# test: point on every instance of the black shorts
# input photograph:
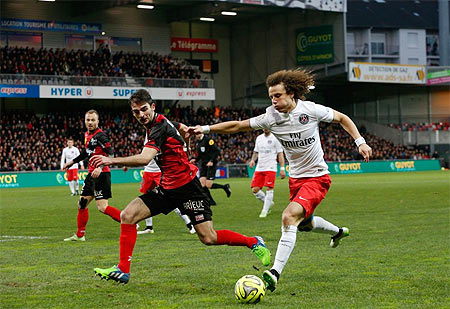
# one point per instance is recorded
(208, 171)
(99, 187)
(190, 199)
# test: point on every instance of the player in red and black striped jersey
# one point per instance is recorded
(180, 188)
(98, 181)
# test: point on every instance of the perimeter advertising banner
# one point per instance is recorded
(194, 45)
(386, 73)
(87, 92)
(49, 25)
(438, 77)
(19, 91)
(314, 45)
(374, 167)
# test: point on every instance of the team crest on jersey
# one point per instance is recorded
(304, 119)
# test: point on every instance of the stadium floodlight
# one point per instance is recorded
(46, 0)
(144, 6)
(228, 13)
(207, 19)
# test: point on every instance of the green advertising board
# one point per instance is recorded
(374, 167)
(314, 45)
(54, 178)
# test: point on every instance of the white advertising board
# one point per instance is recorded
(386, 73)
(121, 93)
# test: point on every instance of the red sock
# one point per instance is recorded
(82, 220)
(113, 213)
(128, 234)
(230, 238)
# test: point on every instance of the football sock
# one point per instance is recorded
(71, 187)
(231, 238)
(113, 213)
(128, 236)
(285, 247)
(268, 200)
(77, 186)
(149, 222)
(217, 186)
(321, 225)
(183, 217)
(82, 219)
(260, 195)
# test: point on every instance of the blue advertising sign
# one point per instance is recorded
(47, 25)
(19, 91)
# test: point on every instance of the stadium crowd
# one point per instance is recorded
(99, 63)
(34, 142)
(422, 126)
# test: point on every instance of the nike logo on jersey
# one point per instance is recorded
(302, 198)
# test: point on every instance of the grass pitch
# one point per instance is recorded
(397, 255)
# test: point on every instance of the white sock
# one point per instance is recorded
(149, 222)
(285, 247)
(71, 186)
(77, 186)
(268, 200)
(260, 195)
(320, 225)
(184, 217)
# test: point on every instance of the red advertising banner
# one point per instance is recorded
(194, 45)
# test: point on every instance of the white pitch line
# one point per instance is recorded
(12, 238)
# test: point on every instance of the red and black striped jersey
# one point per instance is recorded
(95, 143)
(163, 136)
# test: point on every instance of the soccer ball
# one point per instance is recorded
(249, 289)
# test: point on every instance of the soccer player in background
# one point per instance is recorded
(179, 188)
(295, 123)
(69, 153)
(98, 181)
(267, 150)
(208, 154)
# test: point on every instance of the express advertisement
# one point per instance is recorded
(87, 92)
(386, 73)
(19, 91)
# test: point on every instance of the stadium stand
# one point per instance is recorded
(34, 142)
(434, 126)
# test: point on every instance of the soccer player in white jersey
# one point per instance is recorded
(267, 150)
(295, 123)
(68, 154)
(150, 180)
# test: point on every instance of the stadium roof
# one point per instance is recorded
(409, 14)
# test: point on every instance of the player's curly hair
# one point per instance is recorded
(295, 81)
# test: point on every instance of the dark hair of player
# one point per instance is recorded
(141, 96)
(93, 111)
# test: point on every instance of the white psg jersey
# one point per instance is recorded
(151, 167)
(267, 148)
(298, 133)
(69, 154)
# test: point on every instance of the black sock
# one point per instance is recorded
(217, 186)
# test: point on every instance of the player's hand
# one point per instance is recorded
(67, 165)
(210, 163)
(98, 160)
(251, 164)
(192, 161)
(95, 173)
(282, 174)
(365, 151)
(197, 130)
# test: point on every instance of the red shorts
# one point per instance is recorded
(264, 179)
(309, 192)
(150, 181)
(72, 174)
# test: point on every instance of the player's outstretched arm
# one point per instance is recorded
(141, 159)
(351, 128)
(228, 127)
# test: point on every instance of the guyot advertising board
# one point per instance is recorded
(314, 45)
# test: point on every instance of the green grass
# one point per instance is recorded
(397, 255)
